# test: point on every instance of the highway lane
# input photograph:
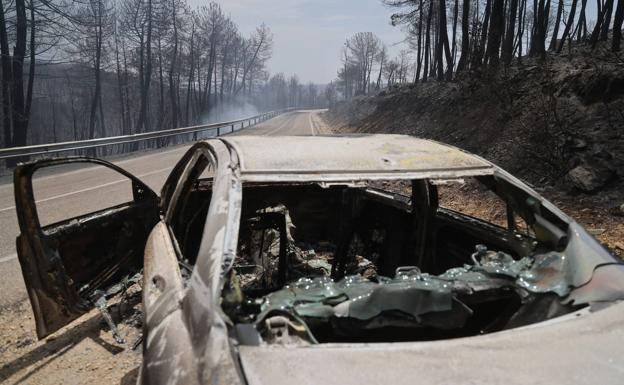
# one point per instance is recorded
(295, 123)
(70, 191)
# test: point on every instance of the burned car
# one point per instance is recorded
(330, 259)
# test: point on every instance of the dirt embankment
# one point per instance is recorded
(556, 123)
(83, 352)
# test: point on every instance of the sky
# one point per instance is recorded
(309, 34)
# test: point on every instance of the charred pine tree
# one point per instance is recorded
(540, 29)
(382, 62)
(604, 31)
(581, 26)
(31, 64)
(464, 59)
(419, 58)
(15, 117)
(433, 60)
(94, 22)
(521, 28)
(120, 86)
(7, 79)
(497, 25)
(20, 119)
(191, 76)
(568, 25)
(553, 41)
(427, 41)
(173, 66)
(602, 24)
(617, 26)
(454, 44)
(145, 70)
(508, 43)
(443, 44)
(480, 52)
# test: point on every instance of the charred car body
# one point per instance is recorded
(286, 259)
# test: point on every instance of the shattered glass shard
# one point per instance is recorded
(549, 273)
(354, 296)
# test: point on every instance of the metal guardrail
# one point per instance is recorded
(39, 149)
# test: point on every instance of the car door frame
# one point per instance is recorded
(181, 321)
(46, 278)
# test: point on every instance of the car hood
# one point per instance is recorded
(579, 348)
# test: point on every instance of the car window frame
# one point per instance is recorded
(27, 204)
(180, 180)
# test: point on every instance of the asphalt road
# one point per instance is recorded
(70, 191)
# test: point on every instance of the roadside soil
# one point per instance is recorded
(605, 224)
(85, 352)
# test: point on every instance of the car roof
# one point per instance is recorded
(340, 157)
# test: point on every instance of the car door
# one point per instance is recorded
(70, 263)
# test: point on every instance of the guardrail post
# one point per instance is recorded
(218, 131)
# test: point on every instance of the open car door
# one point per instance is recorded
(67, 264)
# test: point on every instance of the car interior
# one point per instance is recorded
(376, 230)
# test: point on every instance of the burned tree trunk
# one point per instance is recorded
(122, 108)
(190, 76)
(497, 24)
(553, 41)
(508, 44)
(607, 20)
(454, 44)
(602, 23)
(18, 112)
(97, 94)
(7, 78)
(145, 73)
(538, 41)
(480, 55)
(443, 44)
(568, 25)
(581, 27)
(419, 44)
(617, 26)
(464, 59)
(427, 41)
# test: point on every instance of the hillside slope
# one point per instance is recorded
(538, 120)
(558, 124)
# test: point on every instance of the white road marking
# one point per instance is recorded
(311, 125)
(91, 188)
(8, 258)
(124, 161)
